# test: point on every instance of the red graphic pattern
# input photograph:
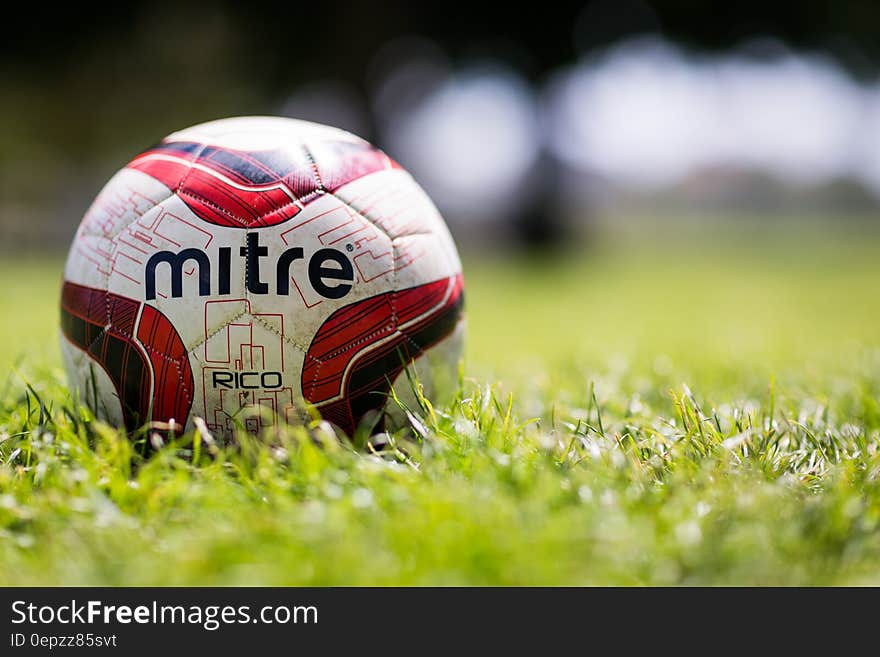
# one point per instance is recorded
(363, 347)
(104, 325)
(340, 162)
(172, 376)
(252, 342)
(242, 189)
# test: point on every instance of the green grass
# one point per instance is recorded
(655, 409)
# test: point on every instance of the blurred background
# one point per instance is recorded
(683, 189)
(529, 125)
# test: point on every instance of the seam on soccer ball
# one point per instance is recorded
(226, 323)
(395, 274)
(314, 382)
(176, 362)
(219, 208)
(125, 225)
(313, 164)
(189, 170)
(373, 220)
(383, 332)
(272, 329)
(172, 192)
(280, 208)
(361, 214)
(311, 196)
(113, 249)
(419, 349)
(107, 293)
(88, 349)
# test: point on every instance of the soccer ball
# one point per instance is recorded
(248, 269)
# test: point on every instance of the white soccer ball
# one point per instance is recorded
(244, 269)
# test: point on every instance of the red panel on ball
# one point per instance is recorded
(173, 385)
(363, 347)
(253, 189)
(102, 324)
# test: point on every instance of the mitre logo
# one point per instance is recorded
(331, 273)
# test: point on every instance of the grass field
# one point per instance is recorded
(654, 409)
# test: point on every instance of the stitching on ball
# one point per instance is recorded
(127, 224)
(366, 338)
(395, 274)
(204, 340)
(177, 366)
(269, 327)
(192, 162)
(314, 378)
(219, 208)
(314, 165)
